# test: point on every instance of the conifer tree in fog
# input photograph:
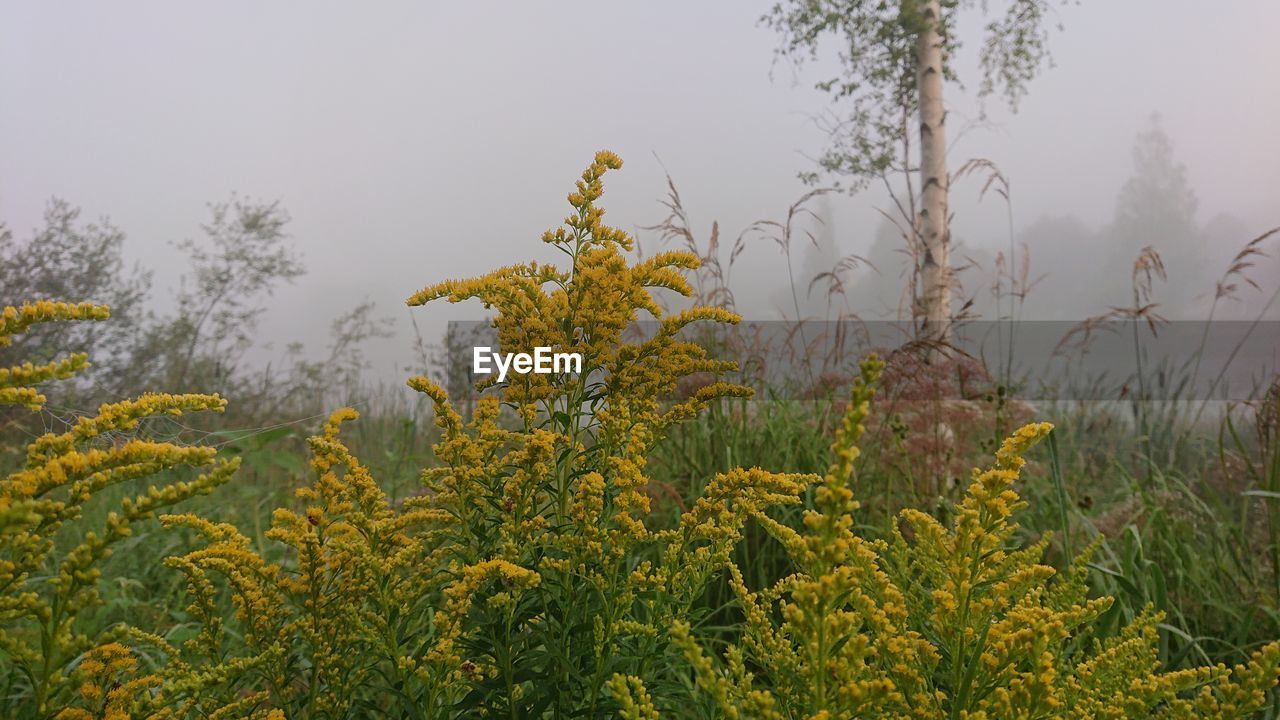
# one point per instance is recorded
(1156, 207)
(895, 56)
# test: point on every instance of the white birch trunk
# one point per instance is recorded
(935, 266)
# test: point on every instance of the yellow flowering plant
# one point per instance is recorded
(51, 665)
(570, 584)
(525, 577)
(342, 631)
(941, 622)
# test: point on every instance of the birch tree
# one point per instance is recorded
(895, 58)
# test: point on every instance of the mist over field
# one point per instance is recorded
(655, 360)
(410, 142)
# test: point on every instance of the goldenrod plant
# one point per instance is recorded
(526, 576)
(343, 631)
(559, 581)
(950, 621)
(49, 559)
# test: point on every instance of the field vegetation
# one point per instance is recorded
(658, 536)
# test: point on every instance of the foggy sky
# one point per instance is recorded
(413, 141)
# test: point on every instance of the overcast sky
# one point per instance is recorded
(412, 141)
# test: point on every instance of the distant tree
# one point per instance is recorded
(1062, 253)
(822, 291)
(1156, 207)
(244, 255)
(70, 260)
(198, 338)
(881, 290)
(333, 379)
(895, 55)
(975, 271)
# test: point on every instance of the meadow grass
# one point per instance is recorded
(618, 544)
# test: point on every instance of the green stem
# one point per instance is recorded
(1055, 466)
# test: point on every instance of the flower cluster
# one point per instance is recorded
(945, 621)
(527, 576)
(45, 584)
(108, 682)
(544, 486)
(345, 627)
